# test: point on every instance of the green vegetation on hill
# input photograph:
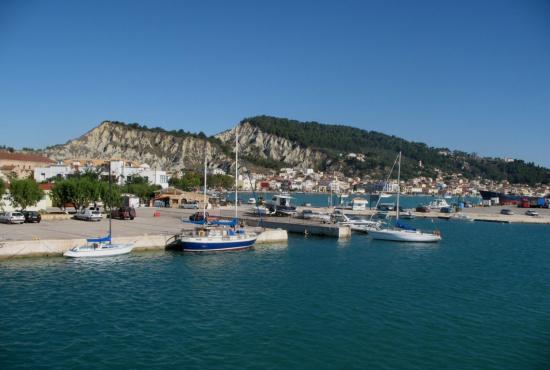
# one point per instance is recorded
(336, 141)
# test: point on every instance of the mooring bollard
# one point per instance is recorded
(156, 214)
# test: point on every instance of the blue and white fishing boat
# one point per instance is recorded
(218, 236)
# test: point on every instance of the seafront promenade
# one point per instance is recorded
(152, 229)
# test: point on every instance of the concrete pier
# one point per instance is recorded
(299, 226)
(55, 248)
(52, 237)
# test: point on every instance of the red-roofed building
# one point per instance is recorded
(21, 165)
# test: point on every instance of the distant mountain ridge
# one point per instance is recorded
(268, 143)
(331, 144)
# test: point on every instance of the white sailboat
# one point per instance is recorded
(401, 232)
(100, 247)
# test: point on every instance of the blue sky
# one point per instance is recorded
(470, 75)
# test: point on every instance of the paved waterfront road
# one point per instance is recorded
(169, 222)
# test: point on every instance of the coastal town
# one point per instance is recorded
(274, 185)
(46, 171)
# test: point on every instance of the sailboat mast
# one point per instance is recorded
(398, 187)
(204, 193)
(236, 169)
(110, 205)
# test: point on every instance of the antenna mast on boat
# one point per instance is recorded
(204, 193)
(398, 187)
(236, 169)
(110, 205)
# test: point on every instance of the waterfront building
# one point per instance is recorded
(21, 165)
(121, 169)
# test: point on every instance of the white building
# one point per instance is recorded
(119, 168)
(57, 170)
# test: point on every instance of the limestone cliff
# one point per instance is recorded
(159, 149)
(256, 144)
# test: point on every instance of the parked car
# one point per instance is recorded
(190, 205)
(423, 209)
(12, 217)
(386, 207)
(198, 216)
(506, 211)
(530, 212)
(32, 216)
(446, 210)
(88, 214)
(124, 213)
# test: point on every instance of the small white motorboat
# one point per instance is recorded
(251, 201)
(461, 217)
(438, 204)
(355, 223)
(407, 215)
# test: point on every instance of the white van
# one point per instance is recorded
(91, 214)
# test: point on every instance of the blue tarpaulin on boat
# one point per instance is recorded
(403, 226)
(99, 240)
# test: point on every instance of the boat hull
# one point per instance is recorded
(205, 244)
(404, 236)
(104, 251)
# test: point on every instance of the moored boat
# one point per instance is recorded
(400, 232)
(218, 235)
(438, 204)
(100, 247)
(214, 239)
(402, 235)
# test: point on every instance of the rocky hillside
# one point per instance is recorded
(273, 141)
(268, 143)
(156, 147)
(261, 148)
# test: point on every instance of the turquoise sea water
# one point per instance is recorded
(480, 299)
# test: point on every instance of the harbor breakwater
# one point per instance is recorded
(145, 242)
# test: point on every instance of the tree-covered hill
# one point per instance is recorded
(336, 141)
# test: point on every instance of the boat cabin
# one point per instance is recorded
(281, 200)
(359, 204)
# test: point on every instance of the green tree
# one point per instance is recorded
(221, 181)
(80, 191)
(111, 198)
(188, 182)
(2, 187)
(25, 193)
(140, 187)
